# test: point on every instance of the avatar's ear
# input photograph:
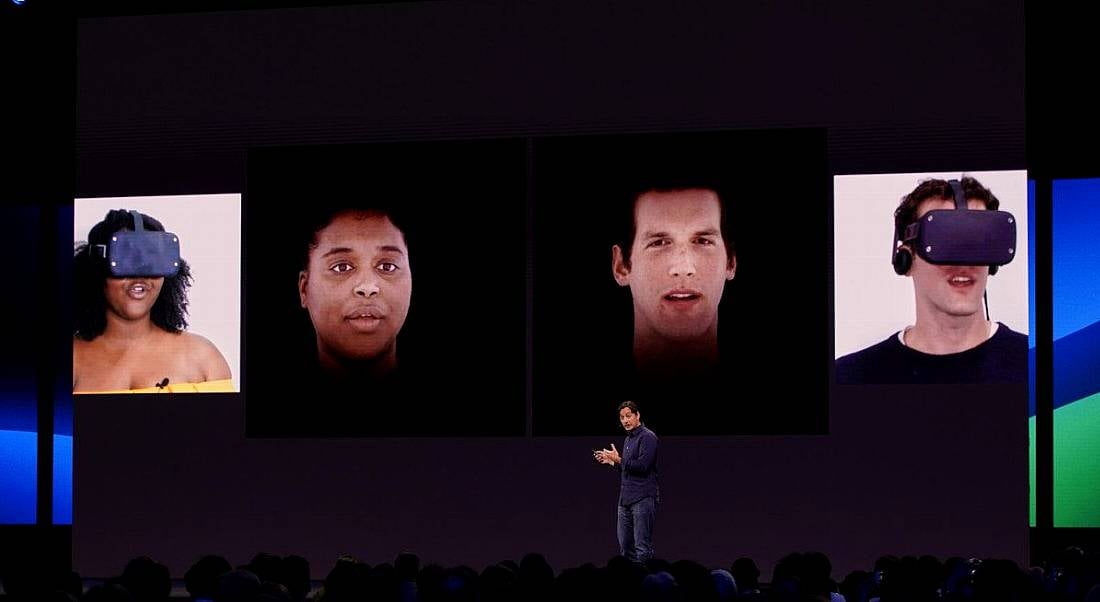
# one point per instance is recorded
(731, 268)
(620, 268)
(303, 283)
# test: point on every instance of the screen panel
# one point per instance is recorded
(666, 269)
(1076, 454)
(386, 289)
(202, 303)
(873, 302)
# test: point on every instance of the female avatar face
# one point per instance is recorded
(357, 287)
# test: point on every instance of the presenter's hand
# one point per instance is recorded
(607, 456)
(601, 456)
(613, 455)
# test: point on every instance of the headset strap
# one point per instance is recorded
(139, 224)
(960, 196)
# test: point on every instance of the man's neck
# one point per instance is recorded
(662, 356)
(942, 335)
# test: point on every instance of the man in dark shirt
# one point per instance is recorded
(1002, 358)
(639, 493)
(951, 342)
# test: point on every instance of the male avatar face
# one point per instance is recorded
(948, 290)
(678, 265)
(629, 419)
(357, 287)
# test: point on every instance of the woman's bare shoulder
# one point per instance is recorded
(206, 354)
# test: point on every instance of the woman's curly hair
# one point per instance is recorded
(90, 274)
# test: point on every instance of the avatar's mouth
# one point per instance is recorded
(365, 312)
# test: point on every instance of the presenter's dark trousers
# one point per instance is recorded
(635, 528)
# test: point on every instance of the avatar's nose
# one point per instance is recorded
(368, 287)
(683, 264)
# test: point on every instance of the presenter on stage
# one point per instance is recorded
(639, 493)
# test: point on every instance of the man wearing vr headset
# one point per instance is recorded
(131, 306)
(949, 238)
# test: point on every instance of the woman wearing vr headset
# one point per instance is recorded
(130, 318)
(949, 237)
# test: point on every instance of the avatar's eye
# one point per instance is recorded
(341, 267)
(387, 267)
(658, 242)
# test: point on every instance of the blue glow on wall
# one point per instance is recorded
(62, 480)
(19, 459)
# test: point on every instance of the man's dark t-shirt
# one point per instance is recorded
(1000, 359)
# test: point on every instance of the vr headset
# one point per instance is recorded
(140, 252)
(958, 236)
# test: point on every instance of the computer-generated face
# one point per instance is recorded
(678, 265)
(357, 287)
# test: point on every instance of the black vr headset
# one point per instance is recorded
(958, 236)
(140, 252)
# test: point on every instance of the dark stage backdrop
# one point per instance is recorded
(939, 470)
(172, 104)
